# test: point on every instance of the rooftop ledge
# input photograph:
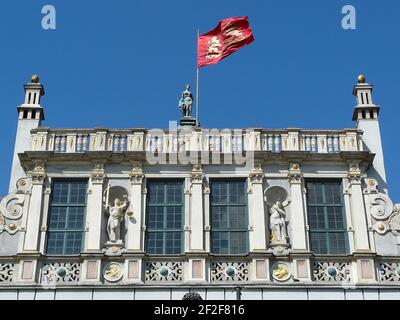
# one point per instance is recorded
(28, 158)
(195, 129)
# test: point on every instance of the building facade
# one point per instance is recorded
(154, 214)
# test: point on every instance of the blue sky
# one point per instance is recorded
(125, 63)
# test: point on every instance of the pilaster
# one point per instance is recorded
(196, 210)
(297, 212)
(357, 208)
(32, 232)
(134, 223)
(95, 212)
(258, 225)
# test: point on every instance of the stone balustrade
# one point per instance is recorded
(217, 141)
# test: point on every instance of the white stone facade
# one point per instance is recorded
(269, 161)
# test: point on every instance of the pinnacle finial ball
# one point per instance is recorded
(361, 78)
(35, 78)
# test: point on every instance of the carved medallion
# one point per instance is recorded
(113, 272)
(281, 271)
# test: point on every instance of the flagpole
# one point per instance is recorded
(197, 83)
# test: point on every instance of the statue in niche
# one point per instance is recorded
(278, 223)
(185, 103)
(116, 214)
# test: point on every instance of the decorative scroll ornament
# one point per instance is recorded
(113, 272)
(11, 208)
(381, 206)
(386, 216)
(281, 271)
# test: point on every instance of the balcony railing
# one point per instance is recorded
(224, 141)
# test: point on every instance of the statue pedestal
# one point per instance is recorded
(187, 122)
(114, 248)
(279, 248)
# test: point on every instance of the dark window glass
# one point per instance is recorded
(229, 217)
(165, 217)
(67, 217)
(326, 217)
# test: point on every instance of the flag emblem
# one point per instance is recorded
(229, 36)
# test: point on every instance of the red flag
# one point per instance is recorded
(229, 36)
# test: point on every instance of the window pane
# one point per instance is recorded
(77, 194)
(238, 243)
(337, 194)
(315, 193)
(174, 217)
(219, 217)
(316, 217)
(155, 242)
(156, 194)
(174, 193)
(236, 192)
(335, 217)
(238, 217)
(55, 243)
(328, 193)
(219, 192)
(60, 192)
(220, 242)
(155, 217)
(73, 243)
(337, 243)
(318, 243)
(58, 218)
(76, 217)
(173, 243)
